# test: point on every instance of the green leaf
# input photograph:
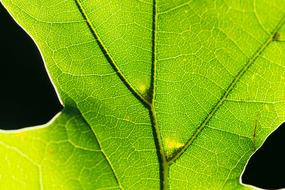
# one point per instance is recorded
(156, 94)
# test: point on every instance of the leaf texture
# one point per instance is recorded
(157, 94)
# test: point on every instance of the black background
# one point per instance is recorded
(27, 98)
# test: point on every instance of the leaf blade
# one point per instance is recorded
(208, 75)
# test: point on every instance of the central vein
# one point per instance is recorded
(163, 164)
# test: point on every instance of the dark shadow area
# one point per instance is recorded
(26, 94)
(28, 98)
(266, 168)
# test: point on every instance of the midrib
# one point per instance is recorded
(165, 164)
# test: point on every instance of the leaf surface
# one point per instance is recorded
(156, 94)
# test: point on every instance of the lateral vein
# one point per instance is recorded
(109, 58)
(229, 89)
(103, 152)
(77, 110)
